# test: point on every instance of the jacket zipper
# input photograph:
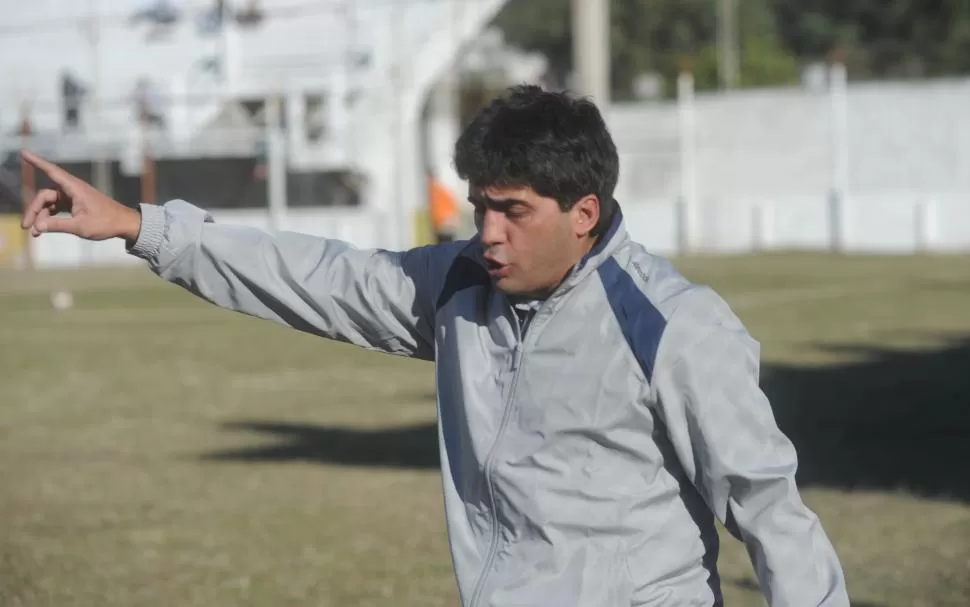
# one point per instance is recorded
(490, 462)
(517, 355)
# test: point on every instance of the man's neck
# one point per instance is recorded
(589, 244)
(585, 248)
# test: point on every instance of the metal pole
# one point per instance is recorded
(402, 221)
(591, 49)
(94, 40)
(102, 166)
(102, 169)
(727, 34)
(28, 182)
(840, 155)
(148, 179)
(276, 162)
(924, 225)
(688, 161)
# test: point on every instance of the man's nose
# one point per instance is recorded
(491, 227)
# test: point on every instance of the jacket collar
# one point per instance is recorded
(604, 248)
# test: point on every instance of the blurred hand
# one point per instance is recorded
(93, 214)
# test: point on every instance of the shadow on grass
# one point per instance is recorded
(748, 583)
(399, 447)
(895, 420)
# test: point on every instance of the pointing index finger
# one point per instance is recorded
(56, 173)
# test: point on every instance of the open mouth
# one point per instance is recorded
(496, 269)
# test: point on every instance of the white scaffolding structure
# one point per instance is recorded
(363, 69)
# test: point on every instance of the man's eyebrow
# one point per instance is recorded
(502, 203)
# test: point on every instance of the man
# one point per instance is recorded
(596, 410)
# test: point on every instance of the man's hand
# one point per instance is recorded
(93, 215)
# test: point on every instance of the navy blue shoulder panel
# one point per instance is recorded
(464, 273)
(640, 321)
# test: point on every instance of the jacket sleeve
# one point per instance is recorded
(376, 299)
(725, 435)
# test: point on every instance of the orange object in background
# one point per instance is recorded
(444, 210)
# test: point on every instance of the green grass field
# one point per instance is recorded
(157, 451)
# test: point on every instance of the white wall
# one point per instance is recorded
(907, 144)
(878, 225)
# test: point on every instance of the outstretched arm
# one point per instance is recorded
(371, 298)
(726, 438)
(375, 299)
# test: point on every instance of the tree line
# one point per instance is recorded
(877, 39)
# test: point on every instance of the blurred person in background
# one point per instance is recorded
(597, 412)
(444, 210)
(72, 97)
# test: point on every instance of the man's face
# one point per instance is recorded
(529, 243)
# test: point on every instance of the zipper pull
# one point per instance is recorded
(516, 357)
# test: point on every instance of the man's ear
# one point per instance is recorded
(585, 215)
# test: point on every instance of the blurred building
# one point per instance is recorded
(270, 112)
(327, 116)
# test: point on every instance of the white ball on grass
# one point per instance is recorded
(62, 300)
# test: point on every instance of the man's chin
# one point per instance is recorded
(504, 285)
(507, 285)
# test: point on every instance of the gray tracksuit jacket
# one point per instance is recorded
(587, 442)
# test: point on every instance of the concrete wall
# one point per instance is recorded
(768, 157)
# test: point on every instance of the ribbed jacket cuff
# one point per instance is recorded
(152, 233)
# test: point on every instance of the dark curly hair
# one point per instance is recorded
(555, 143)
